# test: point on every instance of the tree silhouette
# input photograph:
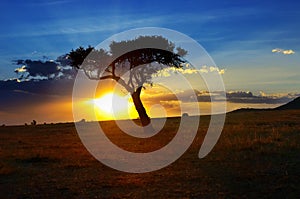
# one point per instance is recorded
(131, 63)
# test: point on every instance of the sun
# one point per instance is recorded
(105, 102)
(113, 106)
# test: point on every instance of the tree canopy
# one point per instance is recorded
(137, 56)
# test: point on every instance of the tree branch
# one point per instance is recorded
(118, 80)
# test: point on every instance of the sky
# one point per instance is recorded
(255, 42)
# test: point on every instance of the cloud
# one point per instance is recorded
(285, 52)
(171, 103)
(43, 100)
(166, 72)
(248, 97)
(241, 97)
(39, 70)
(216, 69)
(31, 98)
(53, 87)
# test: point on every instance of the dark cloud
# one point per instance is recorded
(63, 60)
(44, 87)
(239, 94)
(29, 94)
(245, 97)
(50, 69)
(38, 68)
(250, 98)
(232, 96)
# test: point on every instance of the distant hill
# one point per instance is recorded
(292, 105)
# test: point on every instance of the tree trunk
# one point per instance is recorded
(145, 120)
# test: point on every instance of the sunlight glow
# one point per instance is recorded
(113, 106)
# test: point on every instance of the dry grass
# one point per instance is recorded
(257, 155)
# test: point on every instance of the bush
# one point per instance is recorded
(33, 122)
(185, 115)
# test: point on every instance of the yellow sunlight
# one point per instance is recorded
(114, 106)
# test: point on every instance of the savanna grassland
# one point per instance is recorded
(257, 156)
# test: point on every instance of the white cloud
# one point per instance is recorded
(288, 52)
(170, 103)
(222, 71)
(285, 52)
(278, 95)
(216, 69)
(166, 72)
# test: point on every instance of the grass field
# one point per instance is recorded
(257, 156)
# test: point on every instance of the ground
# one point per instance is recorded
(257, 156)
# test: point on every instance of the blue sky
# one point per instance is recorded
(239, 35)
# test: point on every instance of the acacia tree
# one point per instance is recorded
(131, 63)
